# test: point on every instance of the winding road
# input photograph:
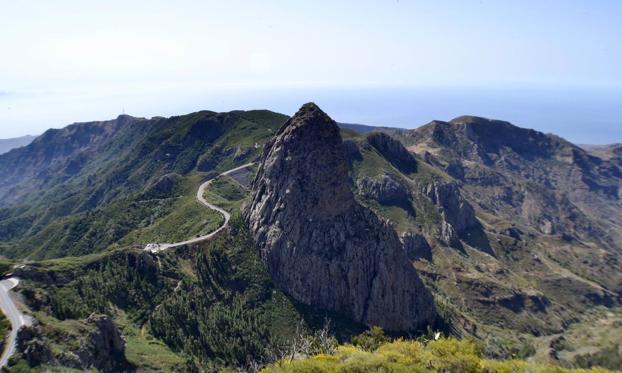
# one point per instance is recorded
(12, 313)
(18, 319)
(157, 247)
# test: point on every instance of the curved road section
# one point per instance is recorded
(16, 318)
(157, 247)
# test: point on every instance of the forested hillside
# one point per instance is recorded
(83, 188)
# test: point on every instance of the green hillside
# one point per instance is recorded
(108, 190)
(508, 299)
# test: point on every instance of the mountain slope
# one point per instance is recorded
(612, 152)
(8, 144)
(91, 182)
(511, 233)
(542, 180)
(544, 247)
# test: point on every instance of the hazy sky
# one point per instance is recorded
(66, 61)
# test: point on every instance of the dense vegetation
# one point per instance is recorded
(61, 197)
(98, 229)
(442, 355)
(214, 305)
(126, 285)
(127, 280)
(231, 314)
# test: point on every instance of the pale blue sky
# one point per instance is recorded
(65, 61)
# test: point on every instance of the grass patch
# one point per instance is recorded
(595, 340)
(189, 219)
(227, 193)
(144, 350)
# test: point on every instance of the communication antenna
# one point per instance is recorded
(123, 108)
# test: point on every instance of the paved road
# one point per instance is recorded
(16, 318)
(157, 247)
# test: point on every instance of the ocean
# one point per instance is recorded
(586, 116)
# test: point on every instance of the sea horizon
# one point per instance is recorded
(580, 115)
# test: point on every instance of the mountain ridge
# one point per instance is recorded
(7, 145)
(513, 233)
(522, 153)
(60, 179)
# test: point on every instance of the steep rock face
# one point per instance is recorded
(456, 212)
(105, 349)
(393, 150)
(320, 245)
(33, 347)
(416, 246)
(386, 189)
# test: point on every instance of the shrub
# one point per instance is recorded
(371, 339)
(443, 355)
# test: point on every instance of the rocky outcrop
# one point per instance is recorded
(393, 150)
(164, 187)
(456, 212)
(33, 347)
(416, 246)
(386, 189)
(103, 349)
(322, 247)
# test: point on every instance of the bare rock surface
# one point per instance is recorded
(416, 246)
(322, 247)
(456, 212)
(106, 347)
(103, 349)
(393, 150)
(386, 189)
